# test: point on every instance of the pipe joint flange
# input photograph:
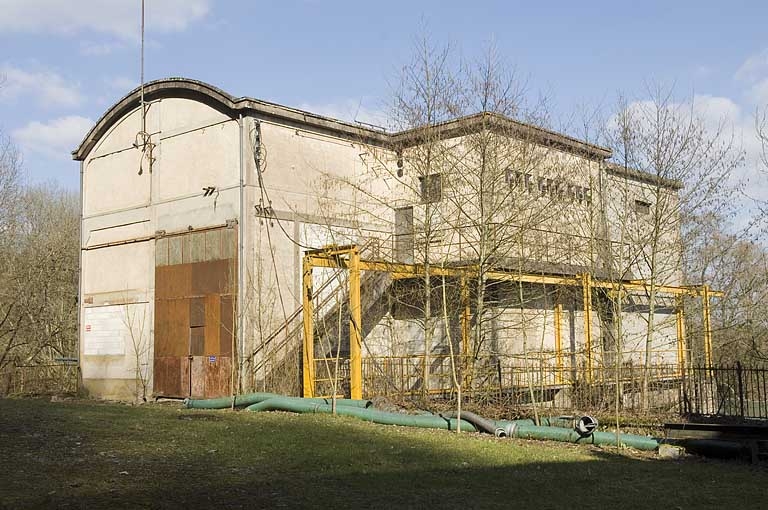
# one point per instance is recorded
(507, 430)
(586, 426)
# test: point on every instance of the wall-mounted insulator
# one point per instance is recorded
(256, 144)
(264, 211)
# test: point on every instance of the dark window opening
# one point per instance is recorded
(431, 187)
(642, 207)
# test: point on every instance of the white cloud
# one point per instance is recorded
(54, 139)
(754, 74)
(98, 49)
(122, 84)
(48, 88)
(719, 115)
(758, 92)
(754, 67)
(119, 18)
(716, 111)
(703, 71)
(349, 110)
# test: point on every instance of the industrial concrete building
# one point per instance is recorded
(203, 215)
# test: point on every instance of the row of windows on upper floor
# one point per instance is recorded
(544, 186)
(431, 189)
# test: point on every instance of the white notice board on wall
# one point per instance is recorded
(106, 329)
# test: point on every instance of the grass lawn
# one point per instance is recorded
(82, 454)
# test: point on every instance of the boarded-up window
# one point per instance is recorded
(110, 330)
(404, 235)
(431, 187)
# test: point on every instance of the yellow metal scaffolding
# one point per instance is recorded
(348, 257)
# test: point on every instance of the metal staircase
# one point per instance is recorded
(277, 360)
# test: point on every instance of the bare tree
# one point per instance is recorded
(684, 173)
(135, 323)
(38, 294)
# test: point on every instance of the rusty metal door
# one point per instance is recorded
(195, 290)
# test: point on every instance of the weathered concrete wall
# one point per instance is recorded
(194, 146)
(312, 182)
(639, 230)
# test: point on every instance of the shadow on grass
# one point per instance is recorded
(88, 455)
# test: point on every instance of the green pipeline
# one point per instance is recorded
(254, 398)
(527, 431)
(297, 405)
(566, 422)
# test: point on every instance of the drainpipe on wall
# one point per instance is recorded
(80, 285)
(241, 258)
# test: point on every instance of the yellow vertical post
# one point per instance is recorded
(586, 284)
(681, 347)
(355, 327)
(559, 341)
(465, 324)
(707, 326)
(308, 346)
(465, 317)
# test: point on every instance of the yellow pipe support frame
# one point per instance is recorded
(332, 257)
(559, 341)
(586, 286)
(707, 327)
(308, 346)
(355, 328)
(466, 317)
(680, 319)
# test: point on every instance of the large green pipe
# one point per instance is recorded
(560, 421)
(225, 402)
(372, 415)
(254, 398)
(525, 431)
(480, 423)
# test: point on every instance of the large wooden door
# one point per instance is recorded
(195, 290)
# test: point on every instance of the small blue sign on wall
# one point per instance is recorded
(211, 359)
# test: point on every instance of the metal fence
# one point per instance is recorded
(733, 391)
(518, 382)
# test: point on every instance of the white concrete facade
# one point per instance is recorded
(282, 180)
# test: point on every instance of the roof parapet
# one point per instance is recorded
(232, 106)
(645, 177)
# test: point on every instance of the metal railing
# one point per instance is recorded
(732, 391)
(276, 360)
(520, 380)
(457, 244)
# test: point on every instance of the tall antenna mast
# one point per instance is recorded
(145, 144)
(143, 105)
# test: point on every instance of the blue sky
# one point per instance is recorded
(63, 66)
